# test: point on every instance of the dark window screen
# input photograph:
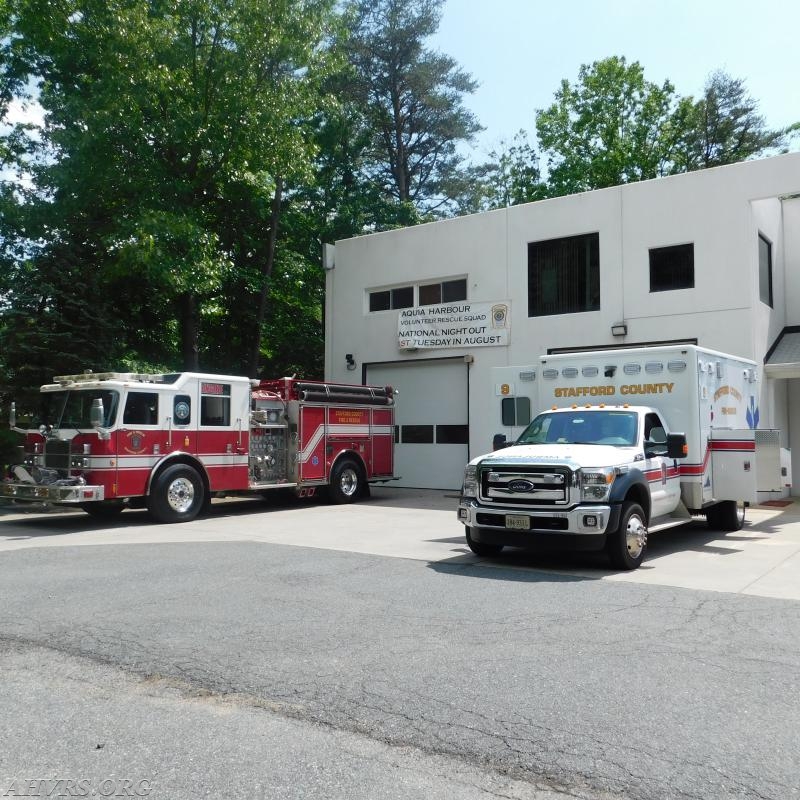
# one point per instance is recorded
(380, 301)
(564, 275)
(765, 270)
(452, 434)
(417, 434)
(672, 268)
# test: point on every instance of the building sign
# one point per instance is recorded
(459, 324)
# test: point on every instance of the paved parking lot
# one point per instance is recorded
(763, 559)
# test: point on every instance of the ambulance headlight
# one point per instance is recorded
(596, 483)
(470, 486)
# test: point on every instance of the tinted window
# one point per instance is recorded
(452, 434)
(765, 270)
(417, 434)
(672, 268)
(215, 404)
(141, 408)
(564, 275)
(380, 301)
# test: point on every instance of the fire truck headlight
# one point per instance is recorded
(470, 486)
(596, 483)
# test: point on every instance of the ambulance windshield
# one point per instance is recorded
(582, 426)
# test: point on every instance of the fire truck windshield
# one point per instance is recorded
(71, 409)
(582, 427)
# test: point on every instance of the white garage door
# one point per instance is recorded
(432, 434)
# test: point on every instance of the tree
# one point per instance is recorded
(723, 127)
(511, 176)
(411, 97)
(165, 122)
(606, 129)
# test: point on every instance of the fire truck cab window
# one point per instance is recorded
(215, 404)
(141, 408)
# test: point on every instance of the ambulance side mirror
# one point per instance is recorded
(676, 445)
(499, 442)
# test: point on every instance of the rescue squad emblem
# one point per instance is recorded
(135, 444)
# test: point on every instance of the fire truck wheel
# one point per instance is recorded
(626, 546)
(347, 482)
(481, 548)
(177, 494)
(726, 516)
(105, 509)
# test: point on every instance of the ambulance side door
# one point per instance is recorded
(663, 477)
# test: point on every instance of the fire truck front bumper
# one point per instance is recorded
(51, 492)
(582, 527)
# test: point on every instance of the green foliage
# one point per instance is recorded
(722, 127)
(167, 129)
(510, 177)
(606, 129)
(410, 97)
(195, 156)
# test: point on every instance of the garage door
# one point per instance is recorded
(431, 418)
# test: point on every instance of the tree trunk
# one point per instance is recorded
(190, 332)
(266, 271)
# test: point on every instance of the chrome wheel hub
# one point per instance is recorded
(180, 495)
(348, 482)
(635, 536)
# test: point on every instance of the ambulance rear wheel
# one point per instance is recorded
(177, 494)
(726, 516)
(347, 482)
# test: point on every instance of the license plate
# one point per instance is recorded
(518, 523)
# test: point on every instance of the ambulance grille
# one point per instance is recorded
(526, 486)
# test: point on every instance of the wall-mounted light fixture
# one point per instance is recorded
(619, 329)
(350, 361)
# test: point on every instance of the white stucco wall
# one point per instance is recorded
(720, 211)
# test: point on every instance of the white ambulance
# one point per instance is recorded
(632, 441)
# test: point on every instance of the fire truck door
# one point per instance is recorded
(139, 440)
(221, 443)
(311, 455)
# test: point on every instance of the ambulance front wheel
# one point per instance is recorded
(626, 546)
(347, 482)
(482, 549)
(177, 494)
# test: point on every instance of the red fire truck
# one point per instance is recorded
(171, 442)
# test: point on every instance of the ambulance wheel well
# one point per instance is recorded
(183, 458)
(640, 495)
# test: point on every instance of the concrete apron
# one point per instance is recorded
(762, 559)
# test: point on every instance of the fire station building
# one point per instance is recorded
(449, 312)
